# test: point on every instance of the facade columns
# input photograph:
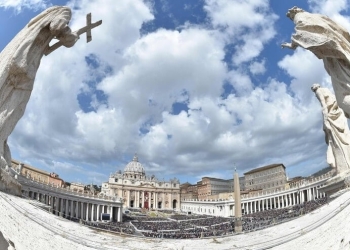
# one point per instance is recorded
(128, 198)
(111, 212)
(119, 214)
(137, 198)
(155, 200)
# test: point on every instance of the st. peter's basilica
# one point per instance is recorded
(141, 191)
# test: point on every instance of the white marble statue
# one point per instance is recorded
(328, 41)
(336, 130)
(20, 60)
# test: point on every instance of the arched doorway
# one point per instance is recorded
(159, 205)
(174, 204)
(132, 203)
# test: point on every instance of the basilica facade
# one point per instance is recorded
(137, 190)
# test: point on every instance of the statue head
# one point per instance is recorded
(293, 11)
(315, 86)
(50, 13)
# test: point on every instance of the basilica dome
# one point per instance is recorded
(134, 167)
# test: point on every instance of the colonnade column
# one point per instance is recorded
(52, 204)
(81, 210)
(263, 204)
(72, 209)
(66, 209)
(75, 207)
(61, 206)
(87, 212)
(57, 203)
(92, 212)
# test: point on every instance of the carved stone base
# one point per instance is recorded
(336, 183)
(238, 225)
(9, 184)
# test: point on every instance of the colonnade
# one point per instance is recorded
(68, 207)
(71, 205)
(256, 203)
(281, 200)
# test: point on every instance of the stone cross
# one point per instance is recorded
(87, 29)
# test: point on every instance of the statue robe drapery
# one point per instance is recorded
(331, 43)
(336, 130)
(19, 62)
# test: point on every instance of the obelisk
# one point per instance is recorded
(238, 205)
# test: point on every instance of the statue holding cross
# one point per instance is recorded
(87, 29)
(20, 60)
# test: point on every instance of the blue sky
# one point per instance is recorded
(195, 88)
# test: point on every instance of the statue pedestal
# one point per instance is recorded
(336, 183)
(9, 184)
(238, 225)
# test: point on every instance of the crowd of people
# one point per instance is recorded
(263, 219)
(180, 226)
(120, 227)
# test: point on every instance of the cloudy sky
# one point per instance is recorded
(194, 87)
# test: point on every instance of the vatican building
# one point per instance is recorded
(137, 190)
